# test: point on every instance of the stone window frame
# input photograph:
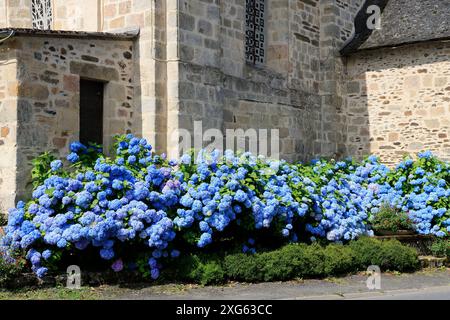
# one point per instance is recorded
(42, 16)
(251, 34)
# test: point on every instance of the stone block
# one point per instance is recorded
(33, 90)
(71, 83)
(92, 71)
(204, 27)
(4, 132)
(186, 22)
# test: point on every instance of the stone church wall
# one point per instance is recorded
(218, 87)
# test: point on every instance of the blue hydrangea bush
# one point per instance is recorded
(139, 210)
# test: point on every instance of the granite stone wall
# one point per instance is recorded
(150, 60)
(336, 26)
(398, 101)
(190, 65)
(297, 90)
(218, 87)
(41, 82)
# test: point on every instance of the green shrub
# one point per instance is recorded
(201, 268)
(295, 261)
(276, 266)
(391, 219)
(441, 248)
(396, 257)
(388, 255)
(338, 259)
(366, 251)
(213, 273)
(243, 267)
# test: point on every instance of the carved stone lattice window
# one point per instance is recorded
(42, 14)
(255, 31)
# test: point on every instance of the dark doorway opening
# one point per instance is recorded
(91, 111)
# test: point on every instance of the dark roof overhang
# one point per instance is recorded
(361, 32)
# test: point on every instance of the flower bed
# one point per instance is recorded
(139, 210)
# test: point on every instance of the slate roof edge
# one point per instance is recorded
(361, 32)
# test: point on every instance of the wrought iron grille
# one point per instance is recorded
(42, 14)
(255, 31)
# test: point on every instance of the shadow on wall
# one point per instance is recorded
(398, 101)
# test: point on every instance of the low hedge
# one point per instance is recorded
(294, 261)
(290, 262)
